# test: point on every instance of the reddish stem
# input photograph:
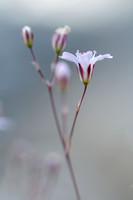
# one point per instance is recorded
(37, 66)
(74, 121)
(53, 70)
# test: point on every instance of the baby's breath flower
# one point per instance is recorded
(85, 63)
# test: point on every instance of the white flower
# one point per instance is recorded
(85, 63)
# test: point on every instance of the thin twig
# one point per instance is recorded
(72, 176)
(38, 69)
(64, 113)
(74, 121)
(52, 78)
(56, 117)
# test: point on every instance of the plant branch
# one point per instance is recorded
(68, 160)
(64, 113)
(74, 121)
(38, 69)
(53, 69)
(72, 176)
(56, 117)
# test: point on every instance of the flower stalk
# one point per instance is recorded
(38, 69)
(68, 146)
(64, 113)
(52, 78)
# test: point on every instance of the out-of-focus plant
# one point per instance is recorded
(85, 63)
(29, 176)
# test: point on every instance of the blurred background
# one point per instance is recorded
(102, 148)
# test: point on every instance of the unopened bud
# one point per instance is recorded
(63, 75)
(27, 36)
(59, 39)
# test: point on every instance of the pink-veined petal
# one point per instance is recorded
(70, 57)
(84, 58)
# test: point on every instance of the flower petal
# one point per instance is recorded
(70, 57)
(100, 57)
(84, 58)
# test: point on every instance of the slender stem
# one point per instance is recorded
(72, 176)
(68, 160)
(53, 69)
(74, 121)
(37, 66)
(64, 113)
(56, 117)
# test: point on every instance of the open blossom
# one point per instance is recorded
(59, 39)
(85, 63)
(27, 36)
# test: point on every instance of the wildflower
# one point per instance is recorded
(85, 63)
(27, 36)
(63, 75)
(59, 39)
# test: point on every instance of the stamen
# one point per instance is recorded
(94, 54)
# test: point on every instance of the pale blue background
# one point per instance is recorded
(102, 150)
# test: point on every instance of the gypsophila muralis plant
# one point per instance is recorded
(85, 63)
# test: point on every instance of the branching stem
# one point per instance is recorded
(67, 156)
(49, 85)
(38, 69)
